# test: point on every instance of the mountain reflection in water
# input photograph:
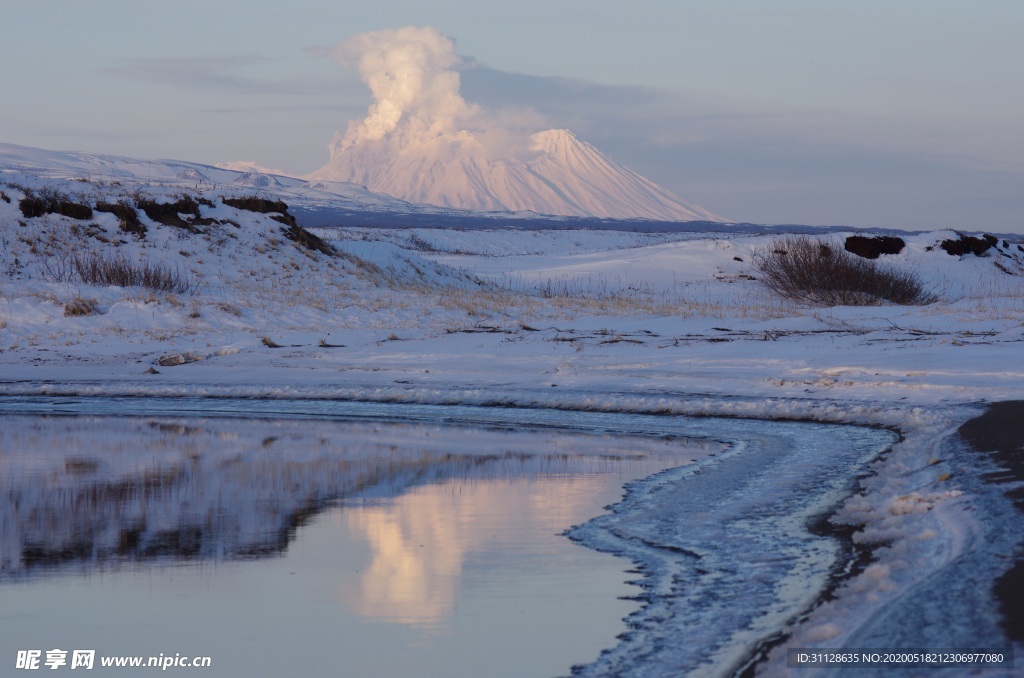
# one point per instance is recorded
(421, 540)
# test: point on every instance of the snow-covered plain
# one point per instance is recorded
(570, 320)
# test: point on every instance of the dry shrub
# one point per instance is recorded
(230, 309)
(810, 270)
(119, 270)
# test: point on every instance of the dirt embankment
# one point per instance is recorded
(1000, 434)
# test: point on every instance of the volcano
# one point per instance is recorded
(556, 173)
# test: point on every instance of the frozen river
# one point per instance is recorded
(315, 537)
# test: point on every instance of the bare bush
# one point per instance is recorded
(60, 265)
(969, 244)
(810, 270)
(118, 269)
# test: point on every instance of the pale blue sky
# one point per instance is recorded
(869, 113)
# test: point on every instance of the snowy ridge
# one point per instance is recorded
(325, 195)
(557, 174)
(87, 167)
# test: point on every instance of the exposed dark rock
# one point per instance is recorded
(53, 202)
(968, 244)
(872, 248)
(126, 213)
(306, 239)
(258, 205)
(169, 213)
(998, 433)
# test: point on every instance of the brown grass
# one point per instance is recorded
(81, 307)
(119, 270)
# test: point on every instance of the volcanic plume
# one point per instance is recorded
(422, 142)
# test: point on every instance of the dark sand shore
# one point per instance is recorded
(1000, 434)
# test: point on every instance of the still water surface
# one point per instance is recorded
(375, 542)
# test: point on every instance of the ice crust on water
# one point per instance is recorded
(725, 546)
(931, 587)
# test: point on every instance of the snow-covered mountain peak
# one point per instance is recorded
(554, 172)
(553, 140)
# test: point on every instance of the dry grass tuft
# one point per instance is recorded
(80, 306)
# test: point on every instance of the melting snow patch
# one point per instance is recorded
(915, 502)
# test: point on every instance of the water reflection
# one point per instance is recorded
(93, 493)
(418, 550)
(421, 540)
(280, 546)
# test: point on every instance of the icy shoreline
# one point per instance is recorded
(727, 550)
(922, 532)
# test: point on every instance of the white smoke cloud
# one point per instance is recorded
(411, 73)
